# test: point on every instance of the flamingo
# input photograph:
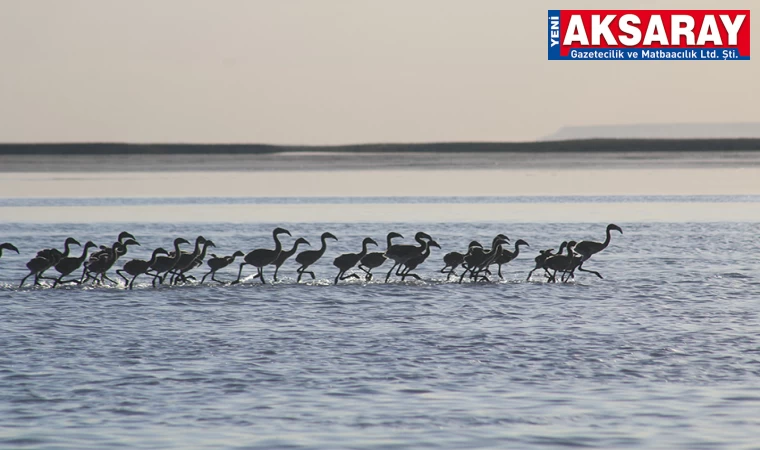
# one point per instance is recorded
(455, 259)
(506, 256)
(285, 255)
(309, 257)
(346, 261)
(263, 257)
(417, 260)
(46, 259)
(137, 267)
(377, 259)
(218, 263)
(401, 253)
(164, 264)
(71, 263)
(587, 249)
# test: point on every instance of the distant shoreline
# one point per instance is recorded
(571, 146)
(541, 155)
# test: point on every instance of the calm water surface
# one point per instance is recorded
(663, 352)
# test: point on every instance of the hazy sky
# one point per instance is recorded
(333, 71)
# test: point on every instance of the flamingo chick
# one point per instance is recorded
(507, 256)
(309, 257)
(285, 255)
(455, 259)
(218, 263)
(71, 263)
(137, 267)
(346, 261)
(376, 259)
(416, 261)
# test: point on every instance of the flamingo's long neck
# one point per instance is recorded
(121, 250)
(277, 243)
(153, 258)
(323, 248)
(65, 250)
(197, 248)
(177, 253)
(607, 240)
(426, 252)
(575, 257)
(517, 250)
(295, 247)
(388, 241)
(84, 254)
(494, 246)
(203, 250)
(364, 250)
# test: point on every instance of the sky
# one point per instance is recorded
(334, 72)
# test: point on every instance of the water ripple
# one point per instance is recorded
(663, 352)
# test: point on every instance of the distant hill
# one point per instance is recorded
(659, 131)
(572, 145)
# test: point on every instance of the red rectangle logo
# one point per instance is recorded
(645, 34)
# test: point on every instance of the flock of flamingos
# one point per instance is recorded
(475, 262)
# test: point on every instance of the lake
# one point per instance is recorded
(662, 352)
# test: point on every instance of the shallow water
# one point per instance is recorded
(663, 352)
(500, 209)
